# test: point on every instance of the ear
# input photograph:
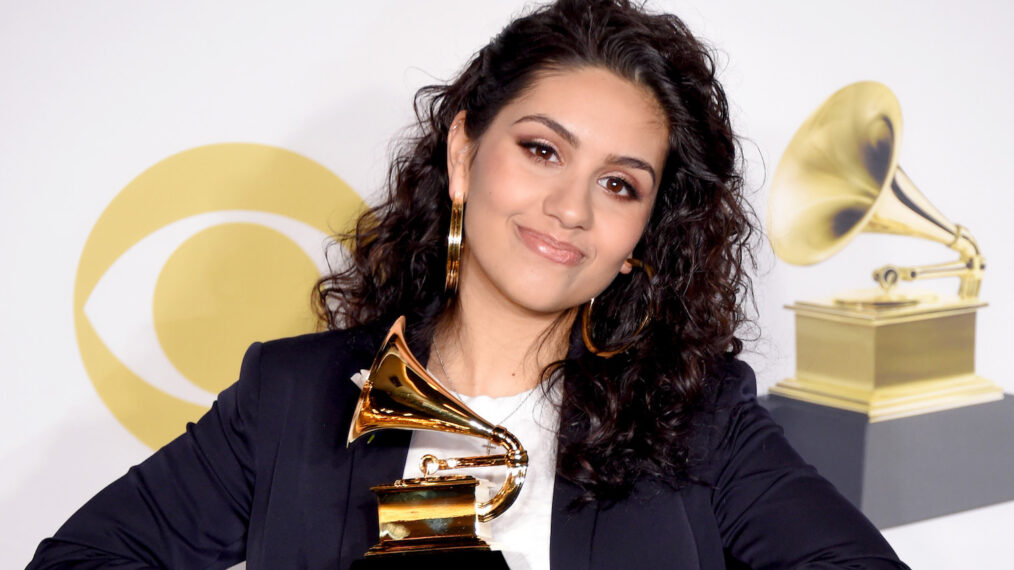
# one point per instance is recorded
(459, 148)
(626, 268)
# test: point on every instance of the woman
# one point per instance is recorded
(593, 311)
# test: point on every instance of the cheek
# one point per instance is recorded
(498, 184)
(489, 207)
(622, 236)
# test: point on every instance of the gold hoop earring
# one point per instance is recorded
(455, 237)
(586, 317)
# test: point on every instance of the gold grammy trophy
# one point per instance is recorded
(432, 514)
(888, 352)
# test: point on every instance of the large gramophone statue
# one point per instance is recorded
(887, 352)
(432, 519)
(885, 390)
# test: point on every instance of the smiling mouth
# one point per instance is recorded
(549, 247)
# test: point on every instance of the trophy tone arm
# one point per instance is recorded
(516, 461)
(969, 268)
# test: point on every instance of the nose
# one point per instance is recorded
(569, 202)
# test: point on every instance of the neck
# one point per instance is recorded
(492, 347)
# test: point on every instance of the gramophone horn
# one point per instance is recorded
(840, 176)
(401, 394)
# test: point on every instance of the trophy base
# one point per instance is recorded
(911, 468)
(887, 362)
(463, 558)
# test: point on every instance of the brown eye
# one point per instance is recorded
(541, 151)
(618, 186)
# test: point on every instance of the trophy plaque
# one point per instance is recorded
(431, 519)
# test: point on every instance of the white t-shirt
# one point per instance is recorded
(522, 532)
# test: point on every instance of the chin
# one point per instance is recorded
(542, 302)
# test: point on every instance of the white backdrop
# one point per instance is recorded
(93, 94)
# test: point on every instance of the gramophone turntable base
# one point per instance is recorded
(887, 363)
(893, 402)
(911, 468)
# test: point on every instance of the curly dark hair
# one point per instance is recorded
(628, 416)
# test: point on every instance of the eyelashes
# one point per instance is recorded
(541, 151)
(619, 187)
(545, 153)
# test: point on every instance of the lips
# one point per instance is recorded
(550, 248)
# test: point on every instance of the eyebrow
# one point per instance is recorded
(557, 127)
(571, 138)
(632, 162)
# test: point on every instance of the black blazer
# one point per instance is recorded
(265, 476)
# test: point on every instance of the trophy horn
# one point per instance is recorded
(401, 394)
(840, 176)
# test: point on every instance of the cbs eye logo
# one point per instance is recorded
(203, 253)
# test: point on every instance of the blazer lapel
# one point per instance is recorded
(377, 458)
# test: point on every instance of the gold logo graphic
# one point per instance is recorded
(203, 253)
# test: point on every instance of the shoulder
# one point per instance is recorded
(727, 411)
(302, 368)
(300, 384)
(317, 351)
(729, 386)
(738, 449)
(731, 382)
(355, 340)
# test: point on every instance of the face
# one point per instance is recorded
(558, 189)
